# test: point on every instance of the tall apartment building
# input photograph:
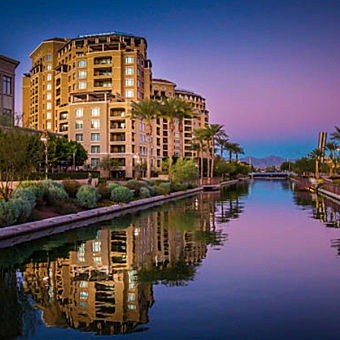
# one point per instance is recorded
(7, 89)
(162, 89)
(83, 87)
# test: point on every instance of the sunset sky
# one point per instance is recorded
(269, 70)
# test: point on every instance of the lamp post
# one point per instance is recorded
(43, 138)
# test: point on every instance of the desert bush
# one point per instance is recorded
(158, 191)
(150, 182)
(103, 191)
(87, 196)
(8, 213)
(144, 192)
(121, 195)
(112, 186)
(26, 194)
(71, 187)
(23, 208)
(136, 186)
(55, 194)
(176, 186)
(34, 187)
(165, 186)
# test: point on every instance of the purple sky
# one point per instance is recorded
(269, 70)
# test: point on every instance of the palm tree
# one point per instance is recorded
(147, 110)
(336, 135)
(231, 148)
(238, 150)
(199, 138)
(222, 142)
(316, 154)
(331, 147)
(213, 131)
(171, 109)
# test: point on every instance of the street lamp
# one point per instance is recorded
(43, 138)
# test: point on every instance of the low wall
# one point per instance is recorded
(331, 187)
(32, 230)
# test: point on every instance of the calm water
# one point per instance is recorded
(255, 261)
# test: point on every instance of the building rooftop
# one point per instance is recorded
(105, 33)
(157, 80)
(9, 60)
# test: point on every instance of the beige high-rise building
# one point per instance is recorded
(83, 87)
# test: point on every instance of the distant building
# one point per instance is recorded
(7, 87)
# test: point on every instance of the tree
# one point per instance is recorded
(213, 131)
(222, 142)
(18, 155)
(230, 147)
(146, 110)
(237, 150)
(199, 138)
(171, 109)
(184, 170)
(286, 166)
(109, 164)
(331, 147)
(336, 135)
(316, 155)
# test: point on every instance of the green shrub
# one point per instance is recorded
(9, 213)
(34, 187)
(87, 196)
(136, 186)
(103, 191)
(26, 194)
(71, 187)
(55, 194)
(112, 186)
(121, 195)
(150, 182)
(175, 186)
(152, 190)
(158, 191)
(24, 209)
(73, 175)
(144, 192)
(165, 186)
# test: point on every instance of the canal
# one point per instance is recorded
(254, 261)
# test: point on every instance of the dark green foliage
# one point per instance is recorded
(121, 195)
(73, 175)
(136, 186)
(71, 187)
(87, 196)
(158, 191)
(144, 192)
(8, 213)
(104, 191)
(26, 194)
(24, 209)
(175, 186)
(166, 187)
(150, 182)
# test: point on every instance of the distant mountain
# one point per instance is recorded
(262, 163)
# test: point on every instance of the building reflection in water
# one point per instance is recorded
(104, 284)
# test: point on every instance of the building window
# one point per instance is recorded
(129, 70)
(95, 137)
(79, 137)
(82, 63)
(48, 115)
(6, 118)
(49, 57)
(6, 85)
(129, 93)
(129, 60)
(94, 162)
(79, 112)
(48, 106)
(49, 96)
(48, 126)
(95, 124)
(96, 246)
(129, 82)
(79, 124)
(49, 87)
(95, 149)
(49, 67)
(49, 76)
(82, 74)
(95, 112)
(82, 85)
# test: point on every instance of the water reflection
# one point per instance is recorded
(100, 279)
